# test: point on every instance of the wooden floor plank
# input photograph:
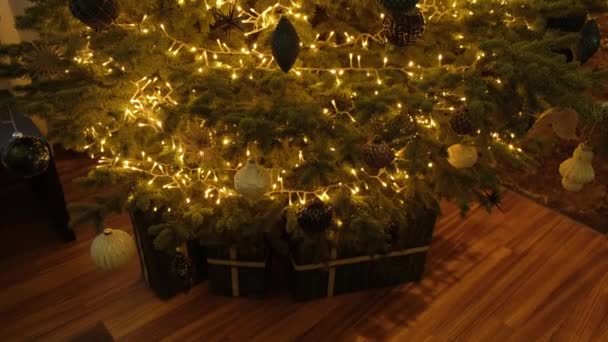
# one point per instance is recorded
(525, 274)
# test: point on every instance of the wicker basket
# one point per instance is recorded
(347, 272)
(236, 274)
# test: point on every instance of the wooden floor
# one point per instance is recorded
(528, 274)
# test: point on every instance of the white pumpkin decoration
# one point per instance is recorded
(570, 186)
(577, 171)
(461, 156)
(252, 181)
(112, 249)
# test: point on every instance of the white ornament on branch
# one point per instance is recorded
(252, 181)
(461, 156)
(578, 170)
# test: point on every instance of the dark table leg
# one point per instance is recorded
(48, 187)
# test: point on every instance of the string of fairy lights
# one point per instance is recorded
(151, 93)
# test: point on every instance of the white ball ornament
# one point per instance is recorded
(252, 181)
(461, 156)
(112, 249)
(578, 170)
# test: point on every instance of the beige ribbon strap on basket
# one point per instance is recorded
(331, 265)
(331, 280)
(234, 268)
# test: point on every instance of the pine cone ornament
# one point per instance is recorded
(403, 28)
(401, 126)
(589, 42)
(200, 144)
(181, 267)
(378, 125)
(97, 14)
(315, 216)
(377, 154)
(398, 5)
(25, 156)
(462, 123)
(392, 233)
(285, 44)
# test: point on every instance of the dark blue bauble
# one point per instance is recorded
(573, 23)
(285, 44)
(398, 5)
(97, 14)
(589, 42)
(25, 156)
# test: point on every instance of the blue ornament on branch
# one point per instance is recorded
(589, 42)
(398, 5)
(97, 14)
(285, 44)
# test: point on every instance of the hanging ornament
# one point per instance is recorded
(44, 61)
(401, 126)
(112, 249)
(573, 23)
(491, 199)
(228, 21)
(252, 181)
(377, 154)
(398, 5)
(589, 42)
(556, 121)
(461, 156)
(403, 28)
(202, 144)
(97, 14)
(404, 123)
(315, 216)
(461, 122)
(285, 44)
(577, 171)
(25, 156)
(181, 267)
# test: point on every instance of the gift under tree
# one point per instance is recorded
(330, 128)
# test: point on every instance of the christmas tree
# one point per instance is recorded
(348, 119)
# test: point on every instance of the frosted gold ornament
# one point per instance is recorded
(252, 181)
(112, 249)
(555, 121)
(461, 156)
(578, 170)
